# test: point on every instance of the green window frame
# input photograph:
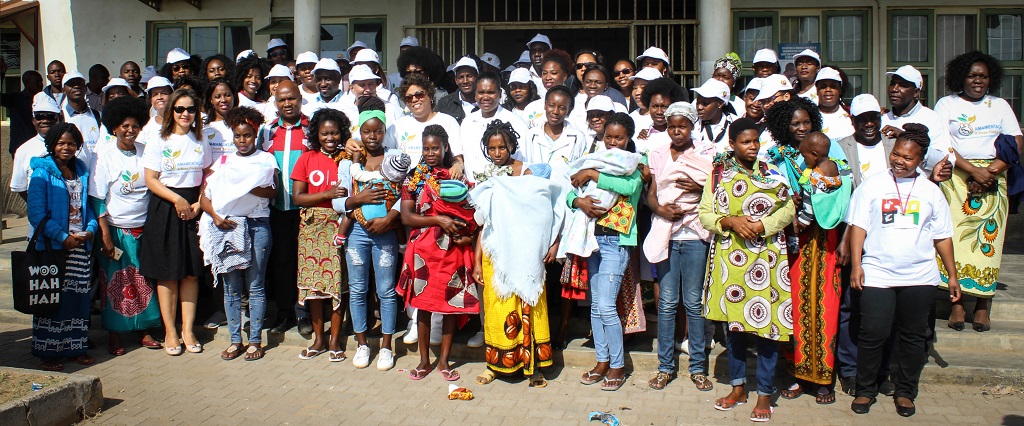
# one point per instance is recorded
(355, 23)
(773, 43)
(1013, 70)
(855, 70)
(155, 56)
(929, 36)
(225, 26)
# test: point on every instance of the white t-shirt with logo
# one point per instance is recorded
(407, 135)
(872, 160)
(248, 205)
(120, 181)
(974, 126)
(180, 159)
(878, 208)
(221, 139)
(836, 125)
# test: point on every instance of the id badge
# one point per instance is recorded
(905, 221)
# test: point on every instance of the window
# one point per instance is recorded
(1004, 35)
(335, 47)
(371, 32)
(909, 33)
(1012, 91)
(754, 33)
(799, 29)
(955, 35)
(845, 38)
(203, 38)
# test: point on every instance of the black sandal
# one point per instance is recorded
(829, 397)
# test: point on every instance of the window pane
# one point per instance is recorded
(333, 48)
(1004, 37)
(754, 34)
(167, 39)
(855, 87)
(371, 33)
(10, 49)
(845, 38)
(799, 29)
(202, 41)
(236, 39)
(955, 35)
(1011, 91)
(910, 38)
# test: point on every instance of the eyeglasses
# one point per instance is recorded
(418, 95)
(179, 67)
(42, 116)
(276, 53)
(181, 109)
(415, 71)
(623, 71)
(583, 65)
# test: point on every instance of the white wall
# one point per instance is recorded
(110, 32)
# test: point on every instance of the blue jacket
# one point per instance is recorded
(48, 196)
(1006, 150)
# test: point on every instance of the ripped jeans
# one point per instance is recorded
(382, 250)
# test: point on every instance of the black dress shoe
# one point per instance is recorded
(980, 327)
(862, 408)
(958, 326)
(904, 411)
(283, 326)
(305, 327)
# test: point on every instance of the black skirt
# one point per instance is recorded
(169, 248)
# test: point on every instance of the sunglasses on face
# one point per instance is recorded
(583, 65)
(182, 109)
(179, 67)
(418, 95)
(278, 53)
(43, 116)
(628, 71)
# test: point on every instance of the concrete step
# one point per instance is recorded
(1004, 336)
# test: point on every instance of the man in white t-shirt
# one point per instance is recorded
(904, 90)
(538, 46)
(76, 111)
(304, 64)
(328, 79)
(45, 114)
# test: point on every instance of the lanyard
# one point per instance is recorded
(903, 205)
(711, 137)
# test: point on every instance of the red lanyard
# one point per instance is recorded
(903, 205)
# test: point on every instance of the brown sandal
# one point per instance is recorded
(660, 380)
(254, 352)
(232, 352)
(702, 382)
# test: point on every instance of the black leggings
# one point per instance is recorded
(882, 309)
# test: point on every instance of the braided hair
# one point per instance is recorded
(439, 132)
(916, 133)
(371, 103)
(507, 133)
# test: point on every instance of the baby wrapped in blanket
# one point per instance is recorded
(578, 236)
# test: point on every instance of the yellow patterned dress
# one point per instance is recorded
(980, 221)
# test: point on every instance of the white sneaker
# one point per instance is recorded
(362, 358)
(385, 360)
(476, 341)
(684, 347)
(411, 334)
(435, 335)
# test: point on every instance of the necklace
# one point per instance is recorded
(337, 156)
(128, 152)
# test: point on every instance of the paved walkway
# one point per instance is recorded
(147, 386)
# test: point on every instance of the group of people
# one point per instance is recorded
(773, 212)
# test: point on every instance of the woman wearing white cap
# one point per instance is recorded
(304, 64)
(807, 63)
(752, 109)
(521, 92)
(598, 110)
(248, 79)
(277, 74)
(179, 64)
(555, 71)
(766, 63)
(655, 58)
(835, 120)
(715, 113)
(158, 90)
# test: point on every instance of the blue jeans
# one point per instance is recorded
(767, 357)
(606, 266)
(682, 274)
(238, 282)
(382, 251)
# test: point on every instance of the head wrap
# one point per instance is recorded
(371, 113)
(731, 61)
(741, 125)
(684, 109)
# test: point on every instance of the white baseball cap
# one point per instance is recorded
(44, 103)
(306, 58)
(713, 89)
(754, 84)
(326, 64)
(157, 82)
(773, 84)
(361, 72)
(524, 58)
(864, 103)
(491, 59)
(366, 55)
(148, 73)
(519, 75)
(808, 53)
(71, 75)
(909, 73)
(275, 43)
(600, 103)
(177, 55)
(828, 73)
(245, 54)
(114, 82)
(409, 41)
(653, 52)
(466, 61)
(539, 38)
(647, 74)
(766, 55)
(280, 71)
(358, 43)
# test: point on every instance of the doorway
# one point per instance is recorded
(508, 44)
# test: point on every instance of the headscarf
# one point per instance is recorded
(731, 61)
(371, 113)
(684, 109)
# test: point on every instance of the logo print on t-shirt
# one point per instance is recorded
(128, 182)
(316, 177)
(890, 207)
(169, 163)
(966, 129)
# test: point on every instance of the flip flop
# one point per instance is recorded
(450, 375)
(254, 352)
(590, 378)
(310, 353)
(720, 405)
(754, 418)
(336, 356)
(417, 374)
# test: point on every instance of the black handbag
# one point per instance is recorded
(38, 276)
